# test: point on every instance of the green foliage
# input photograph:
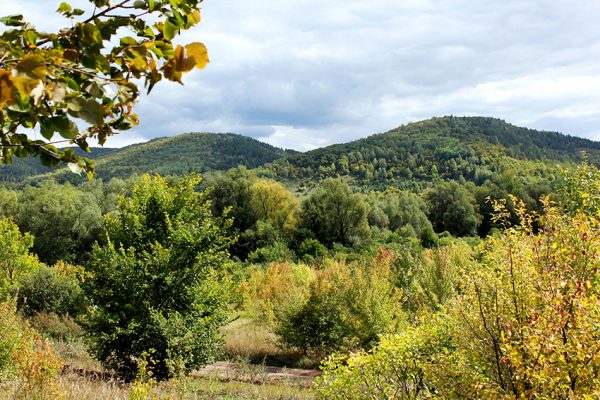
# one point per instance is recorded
(335, 215)
(270, 202)
(15, 336)
(529, 313)
(401, 212)
(271, 253)
(407, 365)
(271, 293)
(416, 155)
(452, 209)
(349, 304)
(64, 220)
(517, 318)
(81, 76)
(15, 259)
(311, 250)
(52, 290)
(9, 203)
(178, 155)
(580, 190)
(155, 286)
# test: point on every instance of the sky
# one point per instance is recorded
(306, 74)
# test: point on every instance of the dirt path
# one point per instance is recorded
(259, 373)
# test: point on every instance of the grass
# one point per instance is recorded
(245, 343)
(71, 386)
(248, 341)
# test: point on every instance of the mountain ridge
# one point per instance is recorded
(449, 147)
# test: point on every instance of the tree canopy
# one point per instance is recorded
(79, 82)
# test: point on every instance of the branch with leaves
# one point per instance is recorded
(78, 84)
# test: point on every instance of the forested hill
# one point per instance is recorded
(469, 148)
(178, 155)
(411, 156)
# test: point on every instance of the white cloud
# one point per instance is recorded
(304, 74)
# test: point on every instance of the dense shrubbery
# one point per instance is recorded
(155, 285)
(411, 313)
(52, 290)
(522, 324)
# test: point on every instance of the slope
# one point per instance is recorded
(178, 155)
(459, 148)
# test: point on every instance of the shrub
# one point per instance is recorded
(413, 364)
(273, 292)
(271, 253)
(349, 304)
(52, 290)
(25, 356)
(311, 250)
(157, 287)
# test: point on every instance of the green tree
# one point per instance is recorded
(85, 74)
(15, 259)
(452, 209)
(335, 215)
(154, 286)
(9, 202)
(64, 220)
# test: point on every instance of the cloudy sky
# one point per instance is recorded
(307, 73)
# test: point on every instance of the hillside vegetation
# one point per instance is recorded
(177, 155)
(456, 148)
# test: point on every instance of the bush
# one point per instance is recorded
(311, 250)
(156, 286)
(273, 292)
(413, 364)
(25, 356)
(349, 304)
(272, 253)
(52, 290)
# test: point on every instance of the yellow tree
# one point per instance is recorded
(272, 203)
(83, 75)
(531, 313)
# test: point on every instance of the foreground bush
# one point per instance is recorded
(154, 286)
(524, 324)
(25, 357)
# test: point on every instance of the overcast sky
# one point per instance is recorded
(303, 74)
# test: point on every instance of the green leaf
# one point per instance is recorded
(75, 168)
(128, 41)
(64, 126)
(12, 20)
(64, 8)
(92, 112)
(151, 5)
(169, 30)
(47, 128)
(78, 12)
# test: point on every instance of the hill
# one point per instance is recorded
(458, 148)
(178, 155)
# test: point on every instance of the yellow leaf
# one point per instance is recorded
(6, 88)
(32, 66)
(25, 85)
(197, 53)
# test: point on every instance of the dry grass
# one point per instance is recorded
(73, 387)
(250, 342)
